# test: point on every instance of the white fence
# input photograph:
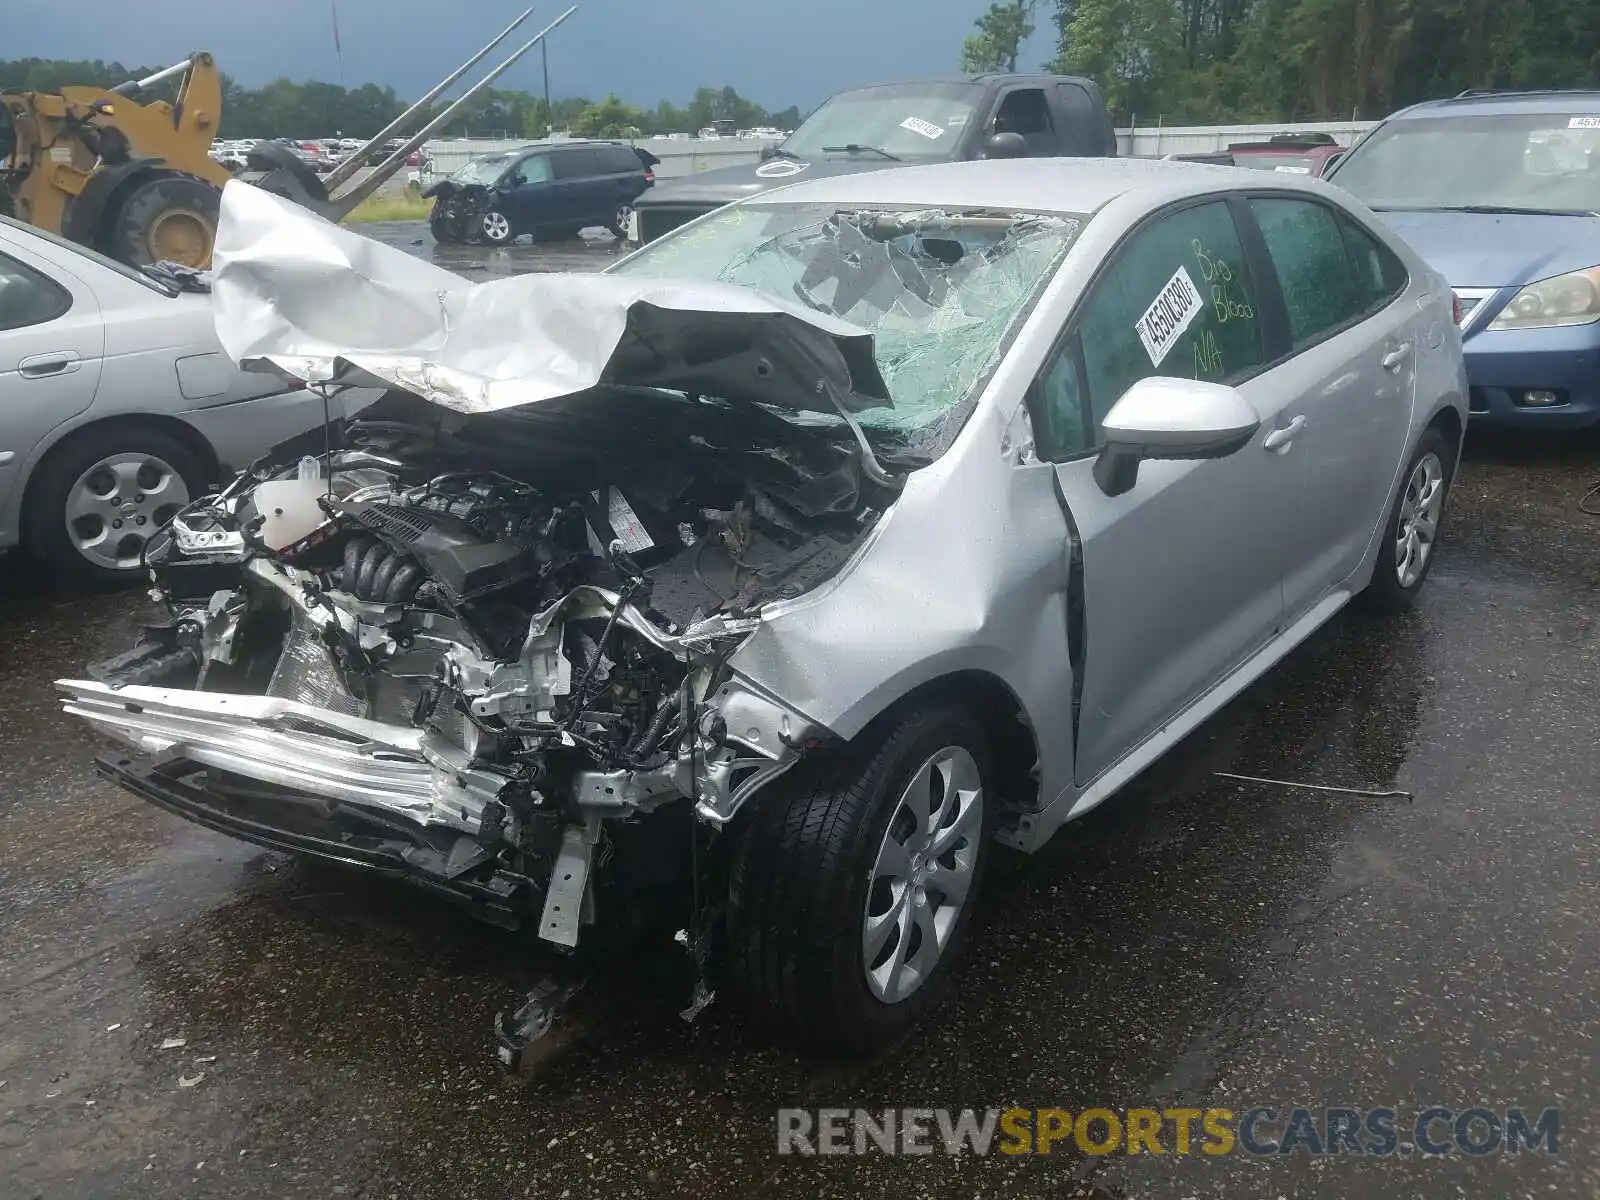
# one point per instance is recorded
(1147, 141)
(686, 156)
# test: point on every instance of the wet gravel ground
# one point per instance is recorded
(1196, 942)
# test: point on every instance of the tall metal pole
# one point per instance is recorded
(549, 117)
(350, 165)
(338, 206)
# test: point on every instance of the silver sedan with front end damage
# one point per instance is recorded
(803, 556)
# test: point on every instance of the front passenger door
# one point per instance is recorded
(530, 192)
(1182, 575)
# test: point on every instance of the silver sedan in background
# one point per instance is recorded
(622, 558)
(117, 405)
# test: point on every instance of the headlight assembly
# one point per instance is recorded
(1570, 299)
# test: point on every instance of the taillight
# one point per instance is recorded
(649, 175)
(1455, 308)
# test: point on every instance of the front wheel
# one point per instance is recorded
(1411, 535)
(495, 228)
(851, 892)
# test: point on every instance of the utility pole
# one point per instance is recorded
(549, 117)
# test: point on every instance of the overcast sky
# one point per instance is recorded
(780, 53)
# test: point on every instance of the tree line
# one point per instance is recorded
(285, 108)
(1216, 61)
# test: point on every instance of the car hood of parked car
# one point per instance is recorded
(1474, 249)
(738, 183)
(319, 302)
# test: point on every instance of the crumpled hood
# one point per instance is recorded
(1487, 250)
(319, 302)
(727, 184)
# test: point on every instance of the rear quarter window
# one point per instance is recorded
(28, 297)
(1380, 275)
(618, 160)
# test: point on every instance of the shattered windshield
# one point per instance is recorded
(483, 170)
(921, 122)
(941, 291)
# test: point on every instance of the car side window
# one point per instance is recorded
(574, 164)
(1314, 272)
(535, 168)
(1176, 300)
(28, 297)
(1380, 276)
(619, 160)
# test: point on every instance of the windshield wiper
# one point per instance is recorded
(1504, 210)
(858, 148)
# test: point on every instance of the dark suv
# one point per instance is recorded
(924, 121)
(550, 191)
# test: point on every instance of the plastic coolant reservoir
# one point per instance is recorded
(290, 505)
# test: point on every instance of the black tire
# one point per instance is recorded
(165, 214)
(801, 879)
(44, 518)
(618, 225)
(1386, 593)
(444, 232)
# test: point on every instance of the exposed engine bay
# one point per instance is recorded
(465, 648)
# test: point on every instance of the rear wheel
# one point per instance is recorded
(619, 223)
(1405, 556)
(165, 216)
(97, 499)
(851, 892)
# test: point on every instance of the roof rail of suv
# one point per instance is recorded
(1472, 93)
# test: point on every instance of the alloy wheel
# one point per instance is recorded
(922, 874)
(118, 504)
(496, 227)
(1420, 508)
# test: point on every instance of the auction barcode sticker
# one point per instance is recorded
(1169, 316)
(626, 525)
(926, 128)
(1584, 123)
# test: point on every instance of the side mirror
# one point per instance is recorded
(515, 179)
(1005, 145)
(1171, 418)
(766, 151)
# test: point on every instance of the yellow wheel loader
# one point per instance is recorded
(133, 177)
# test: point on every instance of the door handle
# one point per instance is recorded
(1281, 439)
(1393, 359)
(40, 366)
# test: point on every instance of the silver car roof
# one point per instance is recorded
(1076, 185)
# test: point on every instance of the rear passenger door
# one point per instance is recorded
(1351, 362)
(52, 343)
(575, 190)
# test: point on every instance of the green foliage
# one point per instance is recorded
(1207, 61)
(611, 118)
(1001, 32)
(284, 108)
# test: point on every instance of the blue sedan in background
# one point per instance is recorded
(1501, 193)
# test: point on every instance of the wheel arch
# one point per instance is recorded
(171, 426)
(1013, 740)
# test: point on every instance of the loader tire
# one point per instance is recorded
(165, 215)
